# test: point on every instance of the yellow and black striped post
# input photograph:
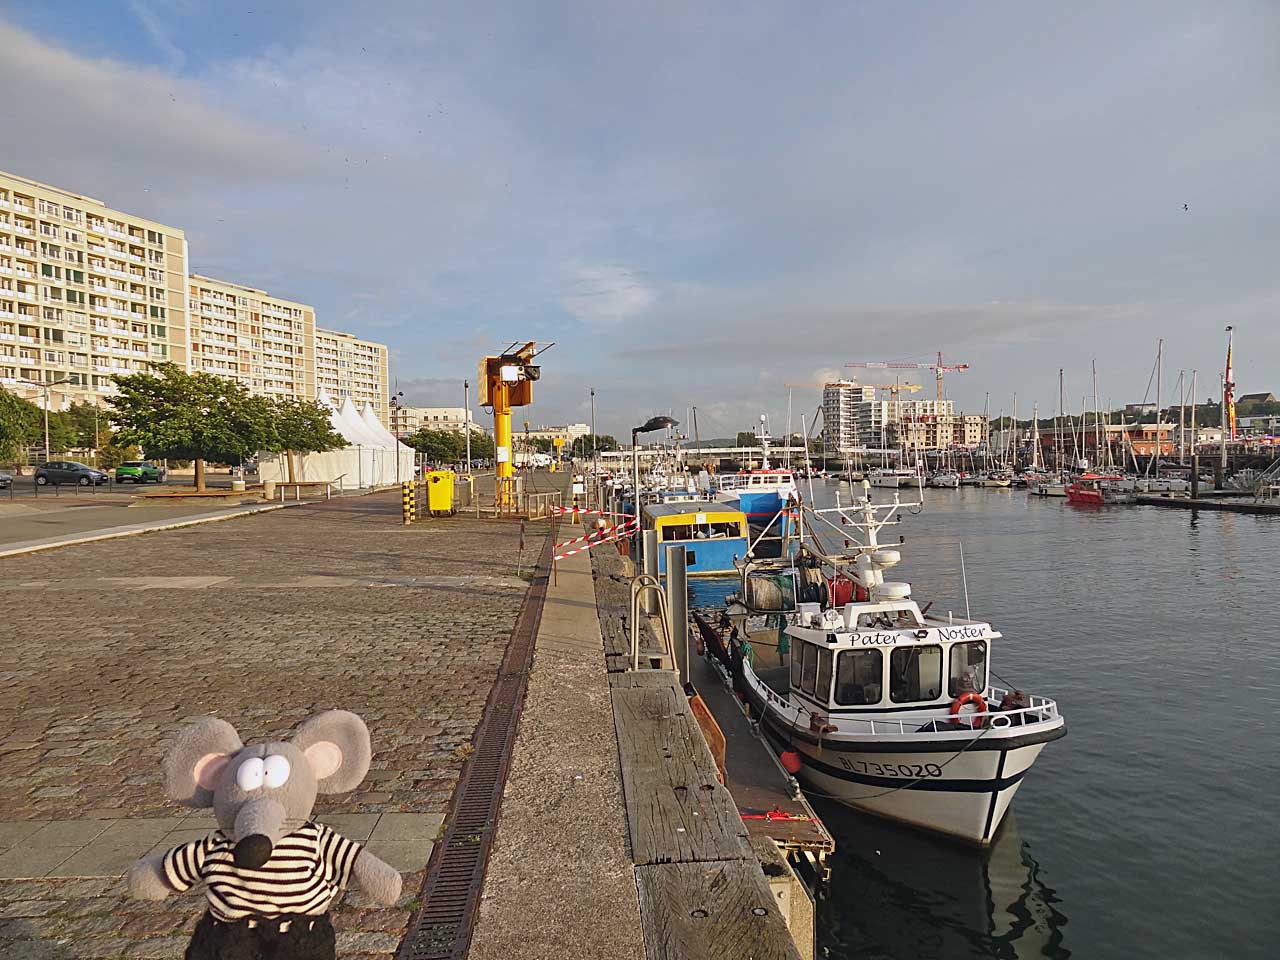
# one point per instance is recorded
(407, 505)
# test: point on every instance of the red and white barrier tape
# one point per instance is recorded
(603, 531)
(612, 538)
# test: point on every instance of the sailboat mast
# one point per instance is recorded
(1159, 400)
(1057, 427)
(1035, 436)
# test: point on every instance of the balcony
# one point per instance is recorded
(25, 231)
(19, 205)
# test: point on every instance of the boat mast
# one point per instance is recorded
(986, 447)
(1159, 374)
(1194, 461)
(1182, 409)
(1014, 436)
(1097, 417)
(1035, 435)
(788, 440)
(1057, 427)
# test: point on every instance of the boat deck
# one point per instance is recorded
(756, 782)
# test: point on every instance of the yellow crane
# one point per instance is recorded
(506, 381)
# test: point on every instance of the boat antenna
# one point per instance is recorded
(964, 578)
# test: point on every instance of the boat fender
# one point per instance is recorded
(970, 696)
(791, 761)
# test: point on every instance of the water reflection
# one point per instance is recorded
(898, 893)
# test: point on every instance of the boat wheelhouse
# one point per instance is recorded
(713, 536)
(760, 494)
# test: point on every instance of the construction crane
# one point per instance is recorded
(938, 368)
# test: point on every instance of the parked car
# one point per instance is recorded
(6, 481)
(67, 471)
(139, 471)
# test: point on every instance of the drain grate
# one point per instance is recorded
(442, 928)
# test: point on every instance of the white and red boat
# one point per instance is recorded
(1098, 489)
(871, 699)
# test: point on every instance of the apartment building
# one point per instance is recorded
(934, 432)
(408, 420)
(845, 404)
(86, 292)
(347, 366)
(854, 418)
(246, 334)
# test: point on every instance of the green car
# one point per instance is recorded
(138, 471)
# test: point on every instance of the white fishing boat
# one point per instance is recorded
(1048, 487)
(893, 477)
(877, 702)
(944, 481)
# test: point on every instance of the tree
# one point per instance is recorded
(439, 446)
(304, 426)
(747, 439)
(19, 424)
(191, 416)
(582, 446)
(481, 446)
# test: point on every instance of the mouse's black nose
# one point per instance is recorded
(253, 851)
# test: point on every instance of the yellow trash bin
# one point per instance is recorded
(439, 485)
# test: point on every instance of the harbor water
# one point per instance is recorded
(1153, 829)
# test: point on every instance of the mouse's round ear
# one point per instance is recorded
(336, 744)
(196, 760)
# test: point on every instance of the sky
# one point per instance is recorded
(698, 203)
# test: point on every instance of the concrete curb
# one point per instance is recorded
(114, 533)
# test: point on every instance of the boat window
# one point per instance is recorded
(858, 678)
(822, 692)
(809, 672)
(797, 659)
(968, 667)
(915, 673)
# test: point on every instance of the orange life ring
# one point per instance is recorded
(970, 696)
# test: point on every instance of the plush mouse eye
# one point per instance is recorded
(276, 770)
(249, 776)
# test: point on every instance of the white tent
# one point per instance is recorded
(369, 459)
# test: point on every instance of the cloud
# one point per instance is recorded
(157, 29)
(606, 294)
(754, 194)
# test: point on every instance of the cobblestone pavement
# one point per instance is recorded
(106, 649)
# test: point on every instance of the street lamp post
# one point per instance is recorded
(650, 425)
(466, 419)
(397, 427)
(45, 388)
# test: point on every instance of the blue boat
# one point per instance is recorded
(760, 495)
(713, 535)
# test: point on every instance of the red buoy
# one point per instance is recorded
(791, 762)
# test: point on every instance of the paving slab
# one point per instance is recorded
(262, 621)
(560, 881)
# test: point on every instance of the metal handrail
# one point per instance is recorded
(639, 584)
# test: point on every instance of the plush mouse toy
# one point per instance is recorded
(270, 872)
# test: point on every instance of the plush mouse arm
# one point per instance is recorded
(380, 881)
(147, 880)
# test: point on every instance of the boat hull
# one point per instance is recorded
(934, 785)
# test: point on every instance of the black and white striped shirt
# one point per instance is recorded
(307, 870)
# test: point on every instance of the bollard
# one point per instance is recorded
(406, 503)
